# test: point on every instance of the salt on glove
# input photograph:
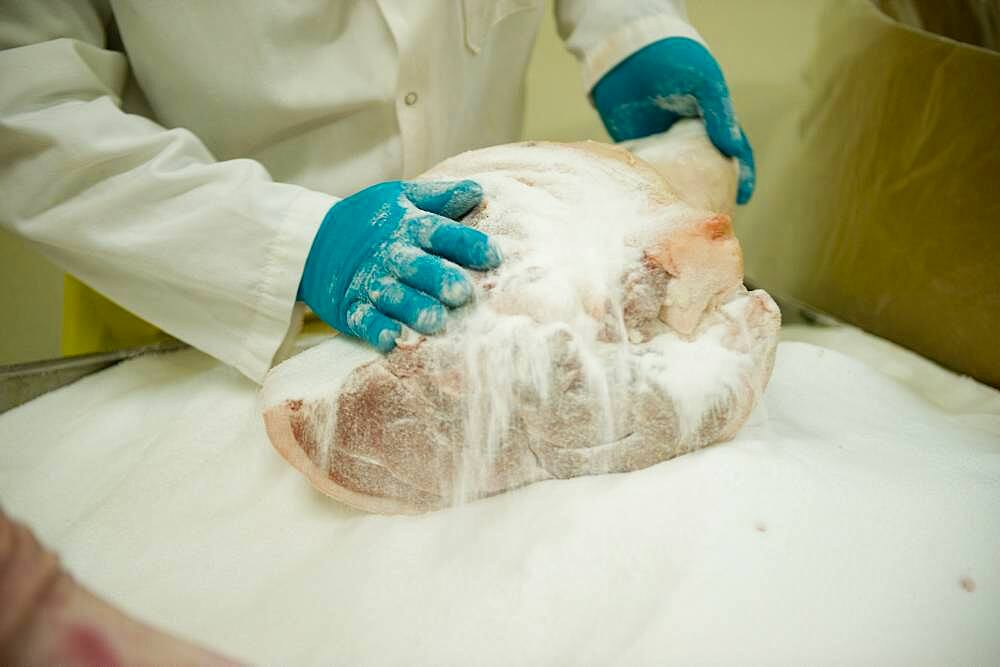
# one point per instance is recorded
(667, 80)
(390, 255)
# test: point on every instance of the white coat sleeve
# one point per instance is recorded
(601, 34)
(211, 252)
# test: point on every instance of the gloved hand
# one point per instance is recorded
(673, 78)
(380, 258)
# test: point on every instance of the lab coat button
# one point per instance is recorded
(410, 99)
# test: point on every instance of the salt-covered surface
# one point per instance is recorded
(851, 520)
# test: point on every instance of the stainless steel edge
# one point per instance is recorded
(20, 383)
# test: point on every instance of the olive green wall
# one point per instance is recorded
(30, 303)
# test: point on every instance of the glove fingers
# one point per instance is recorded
(373, 327)
(748, 171)
(720, 119)
(463, 245)
(452, 199)
(411, 307)
(638, 119)
(430, 274)
(727, 135)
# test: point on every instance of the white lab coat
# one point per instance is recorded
(178, 157)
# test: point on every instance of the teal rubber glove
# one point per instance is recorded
(381, 258)
(667, 80)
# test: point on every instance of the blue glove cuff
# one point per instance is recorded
(339, 250)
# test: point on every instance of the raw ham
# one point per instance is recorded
(617, 334)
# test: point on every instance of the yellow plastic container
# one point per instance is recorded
(93, 323)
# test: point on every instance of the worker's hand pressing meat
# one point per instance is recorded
(667, 80)
(390, 254)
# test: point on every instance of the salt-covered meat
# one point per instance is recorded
(616, 334)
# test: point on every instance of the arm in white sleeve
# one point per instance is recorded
(211, 252)
(601, 34)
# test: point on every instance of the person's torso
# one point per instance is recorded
(332, 95)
